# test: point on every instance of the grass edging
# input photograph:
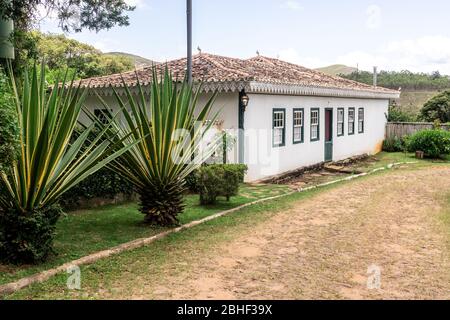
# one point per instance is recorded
(12, 287)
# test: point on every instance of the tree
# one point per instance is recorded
(405, 79)
(437, 108)
(46, 167)
(62, 53)
(161, 160)
(9, 132)
(73, 16)
(395, 114)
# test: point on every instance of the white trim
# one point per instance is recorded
(271, 88)
(293, 89)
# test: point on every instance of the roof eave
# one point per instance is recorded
(272, 88)
(302, 90)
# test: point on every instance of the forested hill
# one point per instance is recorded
(406, 80)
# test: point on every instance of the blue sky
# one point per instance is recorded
(393, 35)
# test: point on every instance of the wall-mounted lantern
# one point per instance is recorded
(244, 101)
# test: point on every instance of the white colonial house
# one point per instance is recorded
(284, 116)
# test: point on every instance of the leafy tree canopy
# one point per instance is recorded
(437, 108)
(73, 15)
(407, 80)
(61, 53)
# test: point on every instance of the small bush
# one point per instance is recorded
(191, 180)
(395, 144)
(219, 180)
(27, 238)
(434, 143)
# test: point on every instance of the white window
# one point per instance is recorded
(315, 125)
(340, 122)
(278, 127)
(298, 125)
(360, 120)
(351, 121)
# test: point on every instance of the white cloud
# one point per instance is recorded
(292, 5)
(425, 54)
(374, 17)
(45, 13)
(107, 45)
(292, 55)
(139, 4)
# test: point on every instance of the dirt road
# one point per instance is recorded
(324, 247)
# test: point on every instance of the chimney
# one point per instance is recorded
(375, 76)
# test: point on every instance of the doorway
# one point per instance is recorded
(328, 135)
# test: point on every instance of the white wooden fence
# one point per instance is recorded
(401, 129)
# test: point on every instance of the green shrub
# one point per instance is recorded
(104, 183)
(437, 108)
(241, 170)
(434, 143)
(397, 115)
(191, 180)
(219, 180)
(9, 130)
(395, 144)
(27, 238)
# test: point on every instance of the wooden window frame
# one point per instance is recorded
(363, 121)
(311, 124)
(302, 126)
(340, 134)
(102, 115)
(351, 124)
(274, 111)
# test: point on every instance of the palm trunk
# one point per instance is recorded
(161, 205)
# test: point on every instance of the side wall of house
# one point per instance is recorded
(226, 104)
(265, 160)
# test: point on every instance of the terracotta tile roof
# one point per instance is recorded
(210, 68)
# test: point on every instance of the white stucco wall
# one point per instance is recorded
(226, 104)
(264, 160)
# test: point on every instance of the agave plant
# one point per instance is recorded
(47, 165)
(159, 162)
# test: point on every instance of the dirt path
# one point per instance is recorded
(323, 247)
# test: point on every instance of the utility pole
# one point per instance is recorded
(189, 39)
(375, 76)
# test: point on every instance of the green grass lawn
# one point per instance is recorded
(84, 232)
(385, 158)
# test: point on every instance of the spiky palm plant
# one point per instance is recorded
(46, 167)
(157, 123)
